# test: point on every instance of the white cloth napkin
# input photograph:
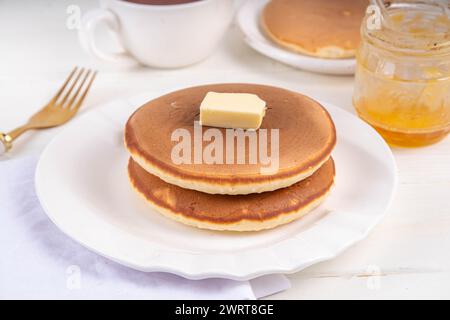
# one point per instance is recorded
(39, 262)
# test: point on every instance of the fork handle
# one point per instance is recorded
(7, 138)
(6, 143)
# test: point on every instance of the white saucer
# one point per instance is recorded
(82, 184)
(248, 21)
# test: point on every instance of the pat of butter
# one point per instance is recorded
(232, 110)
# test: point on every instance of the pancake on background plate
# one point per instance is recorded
(233, 213)
(320, 28)
(306, 138)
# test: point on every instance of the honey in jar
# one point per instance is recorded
(402, 84)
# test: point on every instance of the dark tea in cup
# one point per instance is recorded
(162, 2)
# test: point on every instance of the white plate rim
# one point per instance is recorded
(253, 37)
(163, 262)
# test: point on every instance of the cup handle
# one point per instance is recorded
(89, 24)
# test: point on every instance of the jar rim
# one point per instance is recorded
(403, 41)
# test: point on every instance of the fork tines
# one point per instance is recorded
(80, 80)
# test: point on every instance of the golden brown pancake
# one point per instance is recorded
(321, 28)
(234, 213)
(306, 138)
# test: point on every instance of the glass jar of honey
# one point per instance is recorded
(402, 84)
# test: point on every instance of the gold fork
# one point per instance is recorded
(61, 108)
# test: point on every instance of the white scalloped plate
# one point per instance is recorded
(82, 184)
(248, 21)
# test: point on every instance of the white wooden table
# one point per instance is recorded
(406, 256)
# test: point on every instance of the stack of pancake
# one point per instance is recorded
(320, 28)
(233, 196)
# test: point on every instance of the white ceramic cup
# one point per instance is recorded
(165, 36)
